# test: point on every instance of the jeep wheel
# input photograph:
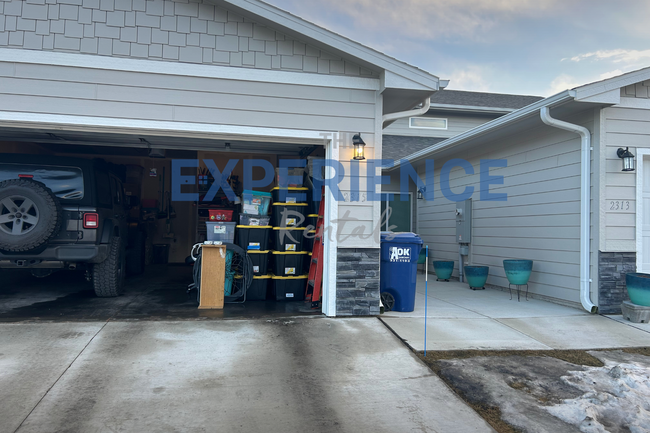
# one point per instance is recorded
(30, 215)
(108, 276)
(136, 255)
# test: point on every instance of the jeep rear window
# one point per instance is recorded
(67, 183)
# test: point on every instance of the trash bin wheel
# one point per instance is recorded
(388, 301)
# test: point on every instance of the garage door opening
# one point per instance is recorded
(170, 228)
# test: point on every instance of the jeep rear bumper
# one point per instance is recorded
(55, 257)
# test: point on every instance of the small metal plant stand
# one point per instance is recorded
(518, 290)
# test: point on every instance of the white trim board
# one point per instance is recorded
(641, 153)
(11, 55)
(330, 241)
(155, 127)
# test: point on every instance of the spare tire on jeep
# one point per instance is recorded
(30, 215)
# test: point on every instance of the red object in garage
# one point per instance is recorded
(220, 215)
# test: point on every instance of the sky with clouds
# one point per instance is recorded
(533, 47)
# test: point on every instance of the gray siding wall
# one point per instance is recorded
(638, 90)
(35, 88)
(456, 124)
(623, 127)
(539, 221)
(177, 31)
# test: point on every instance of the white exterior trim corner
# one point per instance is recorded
(330, 244)
(641, 153)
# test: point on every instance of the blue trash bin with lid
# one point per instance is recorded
(399, 267)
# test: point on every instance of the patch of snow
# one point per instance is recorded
(616, 398)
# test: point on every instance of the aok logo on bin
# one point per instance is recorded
(398, 254)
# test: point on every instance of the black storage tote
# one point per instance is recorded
(259, 288)
(289, 288)
(260, 261)
(254, 237)
(288, 263)
(312, 220)
(289, 195)
(308, 241)
(289, 214)
(287, 239)
(306, 264)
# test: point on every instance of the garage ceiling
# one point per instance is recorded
(70, 140)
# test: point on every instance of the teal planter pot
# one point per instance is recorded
(638, 287)
(443, 269)
(476, 276)
(518, 271)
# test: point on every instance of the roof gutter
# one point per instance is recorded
(401, 114)
(485, 128)
(585, 202)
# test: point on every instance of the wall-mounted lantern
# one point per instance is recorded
(359, 145)
(421, 193)
(627, 157)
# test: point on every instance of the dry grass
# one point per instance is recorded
(492, 414)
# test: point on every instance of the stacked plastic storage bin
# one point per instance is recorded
(254, 236)
(289, 221)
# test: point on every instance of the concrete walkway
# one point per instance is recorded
(307, 374)
(459, 318)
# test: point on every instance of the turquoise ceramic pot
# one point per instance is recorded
(476, 276)
(443, 269)
(638, 287)
(518, 271)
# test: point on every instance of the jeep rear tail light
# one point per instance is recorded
(26, 176)
(91, 220)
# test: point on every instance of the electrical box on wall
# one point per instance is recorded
(464, 221)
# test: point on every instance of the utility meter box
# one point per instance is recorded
(464, 221)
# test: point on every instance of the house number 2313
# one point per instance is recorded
(619, 205)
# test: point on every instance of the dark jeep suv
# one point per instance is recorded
(67, 213)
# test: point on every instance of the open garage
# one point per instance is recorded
(217, 81)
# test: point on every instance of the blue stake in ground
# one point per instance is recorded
(426, 295)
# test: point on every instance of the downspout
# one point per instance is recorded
(585, 202)
(426, 104)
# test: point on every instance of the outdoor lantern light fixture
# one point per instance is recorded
(359, 145)
(627, 157)
(227, 148)
(421, 193)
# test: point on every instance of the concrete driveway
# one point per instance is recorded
(287, 375)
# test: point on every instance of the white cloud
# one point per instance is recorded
(562, 82)
(615, 56)
(472, 78)
(466, 19)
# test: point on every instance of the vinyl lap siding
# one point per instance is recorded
(623, 127)
(455, 125)
(539, 221)
(132, 95)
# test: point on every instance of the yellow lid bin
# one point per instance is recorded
(288, 263)
(289, 288)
